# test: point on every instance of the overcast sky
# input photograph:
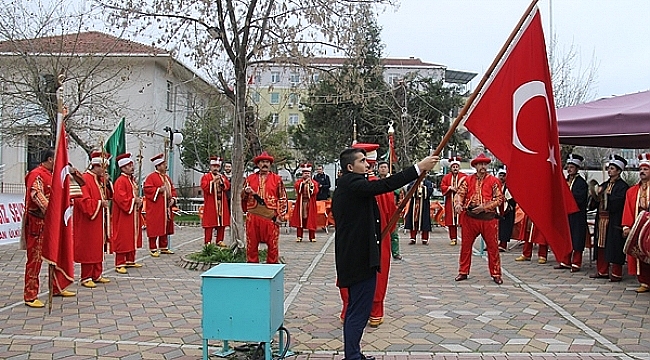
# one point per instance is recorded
(468, 34)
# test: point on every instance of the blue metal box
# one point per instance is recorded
(243, 302)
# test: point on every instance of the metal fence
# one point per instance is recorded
(7, 188)
(190, 205)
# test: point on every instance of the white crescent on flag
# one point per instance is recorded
(64, 172)
(67, 215)
(520, 97)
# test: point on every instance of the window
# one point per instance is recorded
(294, 78)
(630, 156)
(255, 96)
(394, 79)
(627, 153)
(294, 99)
(190, 103)
(275, 77)
(275, 118)
(275, 98)
(170, 96)
(258, 79)
(200, 111)
(315, 77)
(36, 144)
(294, 119)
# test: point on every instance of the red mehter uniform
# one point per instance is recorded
(91, 226)
(269, 188)
(532, 236)
(475, 191)
(387, 208)
(637, 199)
(127, 229)
(305, 213)
(38, 183)
(452, 219)
(160, 194)
(216, 213)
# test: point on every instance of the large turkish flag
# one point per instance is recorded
(514, 117)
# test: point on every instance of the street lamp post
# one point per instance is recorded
(175, 138)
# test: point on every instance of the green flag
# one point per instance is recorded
(116, 145)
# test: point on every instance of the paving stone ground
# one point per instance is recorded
(155, 312)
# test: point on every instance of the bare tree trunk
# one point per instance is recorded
(238, 161)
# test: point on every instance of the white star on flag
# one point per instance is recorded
(551, 156)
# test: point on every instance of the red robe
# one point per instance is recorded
(473, 192)
(273, 193)
(305, 189)
(127, 230)
(160, 217)
(258, 228)
(486, 191)
(91, 221)
(215, 201)
(387, 208)
(451, 218)
(633, 206)
(38, 184)
(37, 201)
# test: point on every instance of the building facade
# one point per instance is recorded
(275, 90)
(107, 79)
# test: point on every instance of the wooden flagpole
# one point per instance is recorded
(59, 117)
(461, 115)
(391, 146)
(50, 282)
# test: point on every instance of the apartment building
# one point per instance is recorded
(275, 90)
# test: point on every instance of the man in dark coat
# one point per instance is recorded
(418, 216)
(324, 184)
(577, 220)
(608, 235)
(506, 212)
(358, 231)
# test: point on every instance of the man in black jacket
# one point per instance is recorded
(324, 184)
(506, 212)
(358, 231)
(577, 220)
(609, 199)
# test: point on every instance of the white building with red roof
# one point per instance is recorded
(107, 79)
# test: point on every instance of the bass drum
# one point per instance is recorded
(637, 244)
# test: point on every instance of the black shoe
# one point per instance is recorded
(397, 257)
(497, 280)
(367, 357)
(598, 276)
(461, 277)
